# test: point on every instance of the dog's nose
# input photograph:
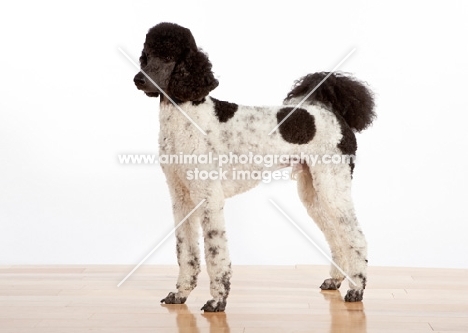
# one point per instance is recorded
(139, 79)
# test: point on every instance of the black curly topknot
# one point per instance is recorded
(169, 40)
(345, 95)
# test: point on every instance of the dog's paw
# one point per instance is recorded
(330, 284)
(173, 298)
(214, 306)
(354, 295)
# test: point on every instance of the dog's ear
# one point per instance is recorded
(192, 78)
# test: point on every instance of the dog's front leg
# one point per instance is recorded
(188, 252)
(216, 249)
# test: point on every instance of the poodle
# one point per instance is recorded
(174, 68)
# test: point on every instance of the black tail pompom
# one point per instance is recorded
(345, 95)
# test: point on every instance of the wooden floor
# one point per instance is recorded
(263, 299)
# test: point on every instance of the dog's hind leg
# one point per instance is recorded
(308, 196)
(188, 252)
(335, 211)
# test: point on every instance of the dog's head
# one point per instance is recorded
(171, 58)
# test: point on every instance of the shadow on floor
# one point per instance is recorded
(187, 322)
(345, 316)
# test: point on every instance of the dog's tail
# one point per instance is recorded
(345, 95)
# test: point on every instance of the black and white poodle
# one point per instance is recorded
(174, 68)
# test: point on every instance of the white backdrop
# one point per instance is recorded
(68, 107)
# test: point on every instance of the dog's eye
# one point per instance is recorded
(168, 58)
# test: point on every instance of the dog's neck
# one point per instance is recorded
(164, 100)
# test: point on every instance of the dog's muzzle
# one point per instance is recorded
(140, 82)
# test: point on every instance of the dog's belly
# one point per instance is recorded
(233, 187)
(240, 178)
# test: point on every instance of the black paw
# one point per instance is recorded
(354, 295)
(330, 284)
(213, 306)
(172, 298)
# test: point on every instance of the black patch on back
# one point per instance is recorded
(224, 110)
(298, 128)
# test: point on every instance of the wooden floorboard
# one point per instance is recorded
(263, 299)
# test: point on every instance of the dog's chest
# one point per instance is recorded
(177, 133)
